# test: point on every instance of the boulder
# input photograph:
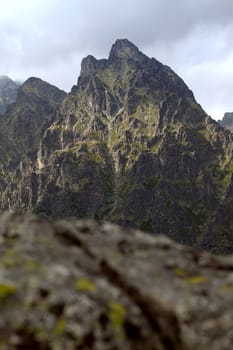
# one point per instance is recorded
(92, 285)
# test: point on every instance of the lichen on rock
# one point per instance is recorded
(91, 285)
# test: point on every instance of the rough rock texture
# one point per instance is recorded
(36, 105)
(8, 92)
(227, 121)
(129, 144)
(87, 285)
(22, 127)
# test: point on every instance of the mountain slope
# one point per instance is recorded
(36, 104)
(22, 127)
(8, 92)
(131, 145)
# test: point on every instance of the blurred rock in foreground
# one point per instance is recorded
(86, 285)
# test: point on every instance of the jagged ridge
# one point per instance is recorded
(130, 144)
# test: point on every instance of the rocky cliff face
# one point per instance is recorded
(8, 92)
(86, 285)
(35, 107)
(227, 121)
(22, 127)
(129, 144)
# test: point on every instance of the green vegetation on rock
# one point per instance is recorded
(6, 290)
(84, 284)
(129, 144)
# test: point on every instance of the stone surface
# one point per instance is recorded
(89, 285)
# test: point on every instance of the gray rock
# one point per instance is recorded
(89, 285)
(8, 92)
(227, 121)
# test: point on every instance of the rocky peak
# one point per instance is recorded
(126, 80)
(8, 92)
(38, 88)
(36, 104)
(123, 48)
(227, 121)
(4, 79)
(34, 82)
(130, 145)
(88, 64)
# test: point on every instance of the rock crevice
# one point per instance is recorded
(86, 284)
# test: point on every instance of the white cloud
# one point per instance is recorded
(48, 38)
(213, 83)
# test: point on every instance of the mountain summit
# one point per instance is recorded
(123, 48)
(129, 144)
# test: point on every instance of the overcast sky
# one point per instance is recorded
(48, 39)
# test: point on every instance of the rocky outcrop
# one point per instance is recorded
(227, 121)
(8, 92)
(90, 285)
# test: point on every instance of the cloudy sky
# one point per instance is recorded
(48, 39)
